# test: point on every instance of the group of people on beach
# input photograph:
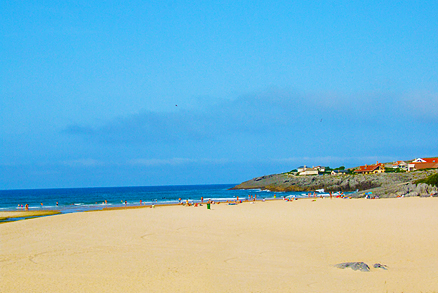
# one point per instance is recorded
(250, 197)
(235, 201)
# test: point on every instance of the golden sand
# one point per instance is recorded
(263, 247)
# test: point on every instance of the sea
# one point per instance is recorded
(70, 200)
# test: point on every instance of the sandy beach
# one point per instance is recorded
(274, 246)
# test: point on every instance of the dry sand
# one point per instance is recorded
(263, 247)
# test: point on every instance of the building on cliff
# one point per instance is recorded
(400, 165)
(303, 170)
(371, 169)
(421, 164)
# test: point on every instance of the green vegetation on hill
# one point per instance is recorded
(392, 170)
(431, 180)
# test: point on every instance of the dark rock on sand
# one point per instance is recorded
(380, 266)
(361, 266)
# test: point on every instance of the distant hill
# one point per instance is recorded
(384, 185)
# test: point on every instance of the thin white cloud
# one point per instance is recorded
(333, 159)
(160, 162)
(83, 163)
(175, 161)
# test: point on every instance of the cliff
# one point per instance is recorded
(383, 185)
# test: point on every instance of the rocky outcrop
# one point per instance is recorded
(382, 185)
(406, 189)
(361, 266)
(380, 266)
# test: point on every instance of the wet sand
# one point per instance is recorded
(26, 214)
(263, 247)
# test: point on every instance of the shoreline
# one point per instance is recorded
(7, 216)
(34, 213)
(37, 212)
(18, 215)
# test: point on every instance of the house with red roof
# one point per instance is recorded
(423, 163)
(398, 165)
(371, 169)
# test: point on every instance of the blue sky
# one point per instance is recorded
(110, 93)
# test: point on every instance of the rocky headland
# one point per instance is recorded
(382, 185)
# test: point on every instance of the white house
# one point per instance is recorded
(321, 169)
(301, 168)
(309, 171)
